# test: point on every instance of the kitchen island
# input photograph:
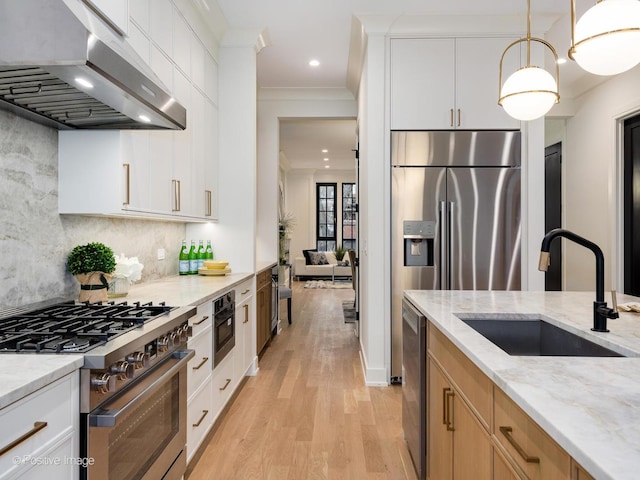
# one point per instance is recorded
(589, 406)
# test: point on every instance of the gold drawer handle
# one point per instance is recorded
(246, 291)
(204, 414)
(204, 360)
(226, 384)
(246, 313)
(506, 431)
(37, 426)
(204, 319)
(449, 396)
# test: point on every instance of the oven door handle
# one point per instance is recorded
(109, 418)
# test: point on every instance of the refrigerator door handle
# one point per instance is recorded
(442, 271)
(450, 246)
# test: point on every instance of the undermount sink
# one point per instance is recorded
(535, 337)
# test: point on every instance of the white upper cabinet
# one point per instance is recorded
(182, 44)
(161, 25)
(114, 12)
(447, 83)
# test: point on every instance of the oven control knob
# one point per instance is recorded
(138, 359)
(163, 343)
(122, 370)
(183, 333)
(102, 382)
(174, 338)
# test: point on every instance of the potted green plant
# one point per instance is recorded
(91, 264)
(339, 252)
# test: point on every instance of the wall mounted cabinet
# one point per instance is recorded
(454, 85)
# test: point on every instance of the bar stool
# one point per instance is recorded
(284, 292)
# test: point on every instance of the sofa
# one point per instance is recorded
(302, 268)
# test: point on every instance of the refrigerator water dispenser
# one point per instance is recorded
(418, 236)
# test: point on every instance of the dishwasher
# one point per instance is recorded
(414, 385)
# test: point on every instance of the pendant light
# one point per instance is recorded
(530, 91)
(606, 39)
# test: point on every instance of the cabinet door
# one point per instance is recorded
(422, 83)
(182, 204)
(199, 199)
(440, 441)
(210, 159)
(263, 319)
(135, 151)
(161, 25)
(471, 444)
(477, 82)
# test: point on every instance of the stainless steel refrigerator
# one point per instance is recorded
(455, 215)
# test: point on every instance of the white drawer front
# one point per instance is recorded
(223, 383)
(199, 367)
(244, 291)
(202, 318)
(199, 418)
(57, 405)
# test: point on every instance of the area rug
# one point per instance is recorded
(327, 284)
(348, 311)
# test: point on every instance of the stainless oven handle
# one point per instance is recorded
(109, 418)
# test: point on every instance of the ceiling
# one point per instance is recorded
(301, 30)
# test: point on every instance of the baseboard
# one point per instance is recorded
(373, 377)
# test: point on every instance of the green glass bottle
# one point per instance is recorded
(193, 258)
(183, 259)
(202, 252)
(209, 253)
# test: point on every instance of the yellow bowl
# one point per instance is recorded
(215, 264)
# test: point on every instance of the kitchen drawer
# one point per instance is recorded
(502, 468)
(263, 279)
(202, 318)
(199, 367)
(57, 405)
(223, 383)
(54, 463)
(244, 291)
(525, 442)
(469, 379)
(199, 417)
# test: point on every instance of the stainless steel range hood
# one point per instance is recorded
(62, 66)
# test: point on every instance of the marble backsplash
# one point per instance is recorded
(35, 240)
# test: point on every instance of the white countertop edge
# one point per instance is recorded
(21, 375)
(593, 443)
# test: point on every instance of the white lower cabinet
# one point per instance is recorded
(199, 417)
(245, 353)
(52, 451)
(223, 384)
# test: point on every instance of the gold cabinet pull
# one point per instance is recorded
(204, 414)
(207, 203)
(199, 366)
(449, 401)
(37, 426)
(506, 431)
(127, 168)
(458, 117)
(176, 195)
(204, 319)
(445, 418)
(246, 313)
(451, 112)
(246, 291)
(226, 384)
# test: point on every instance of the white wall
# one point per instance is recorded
(593, 168)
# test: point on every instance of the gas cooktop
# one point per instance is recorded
(72, 327)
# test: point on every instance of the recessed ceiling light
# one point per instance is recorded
(327, 166)
(561, 61)
(144, 118)
(314, 63)
(324, 150)
(325, 159)
(83, 82)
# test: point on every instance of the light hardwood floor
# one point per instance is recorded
(307, 414)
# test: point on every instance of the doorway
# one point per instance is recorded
(553, 212)
(631, 202)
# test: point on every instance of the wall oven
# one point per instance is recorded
(224, 326)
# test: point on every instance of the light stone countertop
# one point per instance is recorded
(589, 406)
(22, 374)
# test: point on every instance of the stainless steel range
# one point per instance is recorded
(132, 384)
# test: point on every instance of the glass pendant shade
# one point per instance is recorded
(529, 93)
(607, 37)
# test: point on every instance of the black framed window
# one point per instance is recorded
(326, 217)
(349, 218)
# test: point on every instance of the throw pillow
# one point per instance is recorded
(307, 257)
(318, 258)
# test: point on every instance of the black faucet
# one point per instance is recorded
(600, 310)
